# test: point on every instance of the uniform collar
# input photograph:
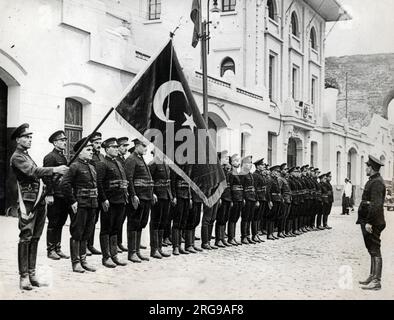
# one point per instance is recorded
(58, 151)
(83, 161)
(21, 149)
(376, 175)
(110, 158)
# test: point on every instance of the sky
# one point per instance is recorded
(370, 31)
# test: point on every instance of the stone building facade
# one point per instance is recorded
(266, 75)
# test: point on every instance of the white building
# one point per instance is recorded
(63, 63)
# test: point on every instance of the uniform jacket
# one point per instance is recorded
(121, 159)
(226, 195)
(139, 177)
(28, 174)
(330, 192)
(237, 193)
(261, 185)
(180, 186)
(275, 193)
(324, 192)
(248, 186)
(79, 184)
(161, 176)
(371, 206)
(53, 159)
(295, 190)
(111, 181)
(285, 189)
(97, 157)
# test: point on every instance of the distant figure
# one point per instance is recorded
(346, 197)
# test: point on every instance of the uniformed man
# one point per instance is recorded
(57, 210)
(250, 201)
(208, 220)
(325, 203)
(286, 204)
(162, 193)
(79, 187)
(277, 201)
(96, 141)
(267, 176)
(318, 200)
(31, 212)
(296, 204)
(112, 188)
(308, 198)
(123, 144)
(330, 200)
(237, 194)
(371, 219)
(192, 222)
(225, 203)
(181, 211)
(141, 194)
(260, 183)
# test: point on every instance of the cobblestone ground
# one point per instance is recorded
(317, 265)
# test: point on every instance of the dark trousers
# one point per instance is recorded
(209, 215)
(168, 226)
(160, 214)
(120, 232)
(57, 214)
(223, 213)
(181, 214)
(372, 240)
(111, 221)
(96, 218)
(247, 211)
(31, 227)
(345, 204)
(235, 211)
(82, 223)
(137, 219)
(193, 220)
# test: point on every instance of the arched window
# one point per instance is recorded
(272, 13)
(294, 24)
(313, 39)
(72, 124)
(338, 168)
(227, 64)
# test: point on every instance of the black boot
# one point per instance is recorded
(104, 244)
(205, 238)
(175, 242)
(222, 230)
(154, 244)
(32, 264)
(255, 236)
(121, 247)
(189, 241)
(113, 250)
(23, 265)
(143, 258)
(325, 225)
(132, 247)
(244, 233)
(58, 247)
(92, 249)
(194, 241)
(160, 235)
(210, 229)
(219, 237)
(51, 244)
(377, 276)
(75, 258)
(181, 236)
(82, 254)
(231, 234)
(371, 273)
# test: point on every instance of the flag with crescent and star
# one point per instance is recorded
(160, 99)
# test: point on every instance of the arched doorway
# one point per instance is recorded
(217, 129)
(351, 165)
(3, 142)
(294, 152)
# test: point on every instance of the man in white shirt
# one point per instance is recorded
(347, 194)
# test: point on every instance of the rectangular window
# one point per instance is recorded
(271, 77)
(313, 154)
(72, 124)
(243, 144)
(228, 5)
(269, 151)
(313, 91)
(154, 7)
(294, 82)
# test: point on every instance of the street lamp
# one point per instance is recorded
(205, 36)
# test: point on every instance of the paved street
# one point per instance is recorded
(317, 265)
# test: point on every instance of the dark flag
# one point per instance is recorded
(195, 17)
(159, 101)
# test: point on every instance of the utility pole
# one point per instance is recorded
(346, 97)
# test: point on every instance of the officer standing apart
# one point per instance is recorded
(371, 219)
(79, 187)
(31, 211)
(123, 144)
(96, 141)
(141, 195)
(112, 188)
(57, 210)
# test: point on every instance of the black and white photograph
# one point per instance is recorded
(196, 150)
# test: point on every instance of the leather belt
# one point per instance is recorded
(365, 202)
(143, 183)
(237, 187)
(88, 193)
(182, 184)
(118, 184)
(249, 189)
(162, 183)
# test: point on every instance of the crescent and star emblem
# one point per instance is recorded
(161, 94)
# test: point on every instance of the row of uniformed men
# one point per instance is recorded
(112, 187)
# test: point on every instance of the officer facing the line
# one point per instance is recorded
(31, 204)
